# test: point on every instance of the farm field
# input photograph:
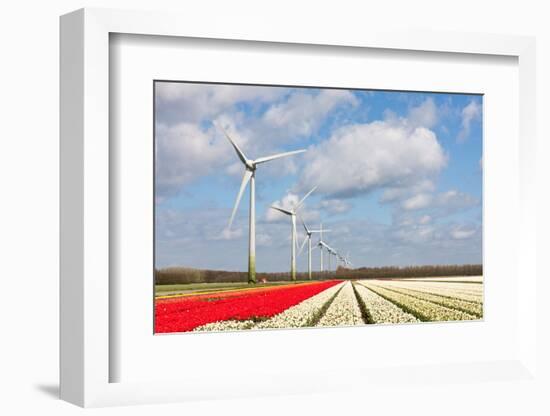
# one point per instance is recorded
(235, 306)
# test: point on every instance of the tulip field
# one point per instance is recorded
(321, 304)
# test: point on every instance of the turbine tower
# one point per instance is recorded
(347, 261)
(250, 176)
(321, 243)
(308, 239)
(292, 213)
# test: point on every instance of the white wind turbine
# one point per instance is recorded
(330, 252)
(292, 213)
(308, 239)
(347, 261)
(250, 176)
(321, 243)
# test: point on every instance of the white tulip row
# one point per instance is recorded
(344, 310)
(304, 313)
(382, 311)
(466, 291)
(472, 308)
(449, 279)
(296, 316)
(422, 309)
(226, 326)
(449, 292)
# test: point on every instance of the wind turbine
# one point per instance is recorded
(292, 213)
(250, 176)
(321, 243)
(347, 261)
(308, 239)
(330, 252)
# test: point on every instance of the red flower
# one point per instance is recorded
(186, 313)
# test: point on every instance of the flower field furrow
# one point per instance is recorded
(453, 303)
(344, 310)
(424, 310)
(189, 312)
(303, 314)
(382, 311)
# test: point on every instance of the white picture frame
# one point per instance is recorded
(85, 205)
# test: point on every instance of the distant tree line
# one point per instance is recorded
(411, 271)
(180, 275)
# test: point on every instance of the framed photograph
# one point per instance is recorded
(279, 199)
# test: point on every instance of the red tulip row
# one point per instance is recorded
(186, 313)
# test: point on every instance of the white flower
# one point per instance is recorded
(344, 310)
(422, 309)
(230, 325)
(303, 314)
(382, 311)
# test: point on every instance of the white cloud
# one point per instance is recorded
(444, 203)
(462, 233)
(189, 146)
(227, 234)
(303, 112)
(425, 115)
(454, 199)
(335, 206)
(425, 219)
(417, 202)
(392, 194)
(360, 158)
(185, 152)
(177, 102)
(470, 113)
(263, 239)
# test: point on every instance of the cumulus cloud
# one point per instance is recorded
(360, 158)
(440, 204)
(335, 206)
(417, 202)
(470, 113)
(304, 111)
(185, 152)
(177, 101)
(462, 233)
(425, 219)
(228, 234)
(188, 146)
(424, 115)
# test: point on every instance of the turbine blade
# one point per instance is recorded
(277, 156)
(304, 198)
(235, 146)
(305, 226)
(246, 177)
(303, 244)
(284, 211)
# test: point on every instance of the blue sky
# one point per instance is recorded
(398, 174)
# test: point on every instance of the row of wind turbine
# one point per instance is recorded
(249, 178)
